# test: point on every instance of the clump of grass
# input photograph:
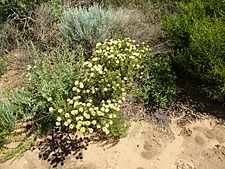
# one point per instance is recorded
(18, 151)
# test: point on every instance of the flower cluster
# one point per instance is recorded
(101, 88)
(85, 116)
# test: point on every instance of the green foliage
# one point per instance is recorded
(18, 151)
(2, 67)
(57, 7)
(100, 89)
(90, 25)
(107, 3)
(140, 3)
(4, 136)
(49, 80)
(158, 86)
(7, 117)
(3, 63)
(18, 9)
(198, 33)
(119, 127)
(23, 103)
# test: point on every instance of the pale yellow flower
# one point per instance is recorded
(66, 124)
(96, 108)
(76, 82)
(90, 130)
(57, 123)
(81, 109)
(78, 126)
(69, 121)
(94, 122)
(59, 118)
(67, 115)
(51, 109)
(60, 110)
(107, 132)
(95, 59)
(110, 122)
(29, 67)
(49, 99)
(105, 89)
(71, 126)
(92, 74)
(74, 112)
(82, 130)
(98, 44)
(81, 85)
(89, 65)
(102, 109)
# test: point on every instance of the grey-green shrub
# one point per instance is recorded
(91, 25)
(7, 116)
(49, 80)
(198, 33)
(7, 120)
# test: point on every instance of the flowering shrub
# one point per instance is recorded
(101, 88)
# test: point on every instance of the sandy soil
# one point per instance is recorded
(198, 145)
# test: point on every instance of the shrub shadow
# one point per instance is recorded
(191, 100)
(190, 104)
(60, 145)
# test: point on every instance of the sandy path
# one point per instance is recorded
(199, 145)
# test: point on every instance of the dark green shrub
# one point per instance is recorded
(159, 82)
(199, 37)
(140, 3)
(17, 9)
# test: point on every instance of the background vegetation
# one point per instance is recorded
(198, 34)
